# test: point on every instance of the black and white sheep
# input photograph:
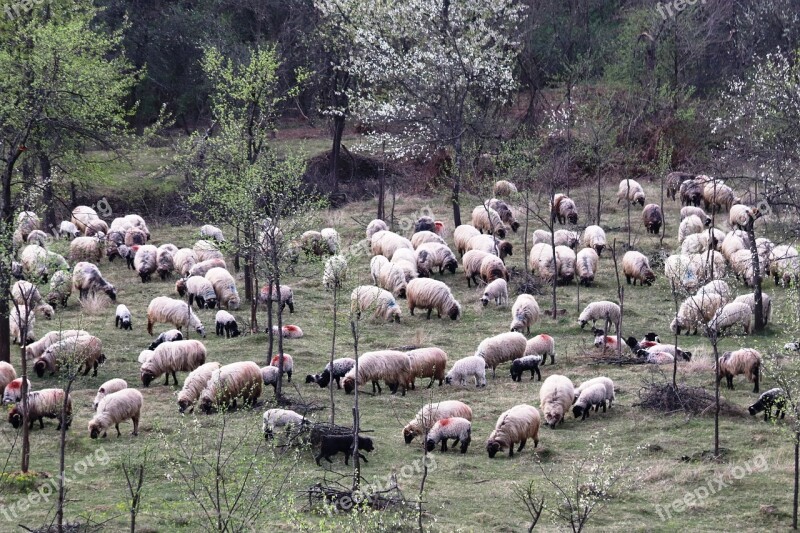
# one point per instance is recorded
(199, 290)
(591, 396)
(523, 364)
(122, 318)
(226, 324)
(431, 413)
(341, 367)
(286, 297)
(167, 336)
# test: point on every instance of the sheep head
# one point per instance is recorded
(514, 226)
(349, 385)
(15, 417)
(146, 377)
(430, 445)
(180, 287)
(408, 434)
(454, 312)
(500, 232)
(451, 265)
(552, 418)
(39, 368)
(111, 292)
(94, 429)
(577, 411)
(492, 447)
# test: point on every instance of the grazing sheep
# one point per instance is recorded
(12, 393)
(374, 227)
(25, 293)
(86, 279)
(421, 237)
(766, 304)
(563, 209)
(228, 383)
(38, 237)
(652, 218)
(172, 357)
(386, 243)
(427, 363)
(82, 215)
(199, 289)
(740, 216)
(194, 384)
(602, 310)
(224, 287)
(472, 261)
(392, 278)
(490, 244)
(462, 236)
(543, 262)
(408, 262)
(68, 229)
(202, 268)
(631, 191)
(115, 408)
(432, 294)
(502, 348)
(331, 239)
(138, 222)
(341, 367)
(528, 362)
(487, 219)
(717, 286)
(745, 361)
(21, 324)
(524, 312)
(684, 271)
(335, 272)
(772, 398)
(732, 243)
(492, 268)
(497, 290)
(330, 445)
(506, 215)
(312, 243)
(472, 366)
(36, 349)
(109, 387)
(168, 336)
(33, 262)
(145, 261)
(696, 311)
(135, 237)
(366, 296)
(504, 188)
(586, 266)
(86, 249)
(122, 318)
(698, 243)
(184, 259)
(60, 288)
(226, 325)
(695, 211)
(764, 248)
(206, 250)
(46, 403)
(456, 428)
(674, 181)
(431, 413)
(565, 262)
(562, 237)
(144, 355)
(442, 256)
(516, 425)
(606, 382)
(691, 192)
(556, 396)
(85, 351)
(286, 297)
(392, 366)
(289, 331)
(733, 314)
(636, 266)
(208, 231)
(288, 364)
(543, 345)
(165, 262)
(784, 264)
(594, 237)
(718, 197)
(282, 418)
(7, 375)
(591, 396)
(270, 375)
(175, 312)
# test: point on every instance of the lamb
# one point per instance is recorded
(36, 349)
(8, 375)
(21, 324)
(365, 296)
(330, 445)
(591, 396)
(516, 425)
(145, 261)
(636, 266)
(115, 408)
(492, 268)
(766, 304)
(524, 312)
(745, 361)
(201, 268)
(279, 418)
(556, 396)
(497, 290)
(60, 288)
(594, 237)
(456, 428)
(563, 208)
(194, 384)
(472, 261)
(586, 266)
(237, 380)
(392, 366)
(504, 188)
(341, 367)
(199, 289)
(472, 366)
(565, 262)
(206, 250)
(487, 219)
(772, 398)
(690, 225)
(175, 312)
(335, 272)
(442, 256)
(606, 382)
(374, 227)
(735, 313)
(47, 403)
(289, 331)
(695, 311)
(462, 236)
(652, 218)
(86, 279)
(528, 362)
(432, 294)
(208, 231)
(427, 363)
(431, 413)
(270, 376)
(691, 192)
(501, 348)
(490, 244)
(674, 181)
(543, 261)
(168, 336)
(69, 229)
(12, 393)
(122, 318)
(172, 357)
(226, 325)
(109, 387)
(631, 191)
(543, 345)
(165, 262)
(86, 351)
(602, 310)
(184, 259)
(385, 243)
(286, 296)
(86, 249)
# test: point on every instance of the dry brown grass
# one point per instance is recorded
(95, 304)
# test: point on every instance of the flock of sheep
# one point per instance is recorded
(400, 268)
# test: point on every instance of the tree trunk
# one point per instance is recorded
(254, 306)
(713, 338)
(6, 229)
(333, 350)
(48, 197)
(356, 413)
(248, 279)
(758, 326)
(382, 183)
(338, 131)
(457, 183)
(796, 478)
(236, 265)
(26, 431)
(599, 188)
(62, 453)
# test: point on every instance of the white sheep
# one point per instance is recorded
(542, 345)
(87, 249)
(82, 215)
(115, 408)
(490, 244)
(83, 351)
(591, 396)
(60, 288)
(486, 219)
(270, 376)
(745, 361)
(184, 259)
(422, 237)
(208, 231)
(684, 270)
(165, 263)
(456, 428)
(563, 209)
(331, 238)
(602, 310)
(374, 227)
(462, 235)
(407, 261)
(285, 296)
(386, 243)
(365, 297)
(594, 237)
(86, 279)
(432, 294)
(46, 403)
(431, 413)
(465, 368)
(472, 261)
(733, 314)
(230, 382)
(335, 272)
(194, 384)
(109, 387)
(144, 355)
(175, 312)
(22, 322)
(784, 264)
(122, 318)
(516, 425)
(766, 304)
(443, 257)
(504, 188)
(497, 290)
(282, 418)
(636, 266)
(606, 382)
(524, 313)
(717, 286)
(392, 366)
(428, 362)
(502, 348)
(543, 261)
(172, 357)
(696, 311)
(206, 250)
(68, 229)
(631, 191)
(492, 268)
(689, 226)
(556, 396)
(145, 261)
(586, 266)
(565, 262)
(224, 287)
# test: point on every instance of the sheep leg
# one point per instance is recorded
(411, 309)
(430, 309)
(166, 381)
(119, 434)
(444, 445)
(538, 373)
(174, 378)
(511, 450)
(521, 445)
(135, 421)
(362, 457)
(41, 422)
(433, 378)
(317, 458)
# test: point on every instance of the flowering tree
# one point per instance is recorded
(428, 75)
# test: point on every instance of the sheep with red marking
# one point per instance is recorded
(240, 380)
(288, 364)
(502, 348)
(12, 393)
(115, 408)
(555, 399)
(543, 345)
(516, 425)
(7, 375)
(432, 294)
(289, 331)
(431, 413)
(456, 428)
(746, 361)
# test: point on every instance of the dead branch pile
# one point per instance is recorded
(663, 397)
(344, 498)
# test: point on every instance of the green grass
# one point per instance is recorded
(464, 492)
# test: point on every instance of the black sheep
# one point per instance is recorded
(529, 362)
(333, 444)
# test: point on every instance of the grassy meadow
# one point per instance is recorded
(471, 492)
